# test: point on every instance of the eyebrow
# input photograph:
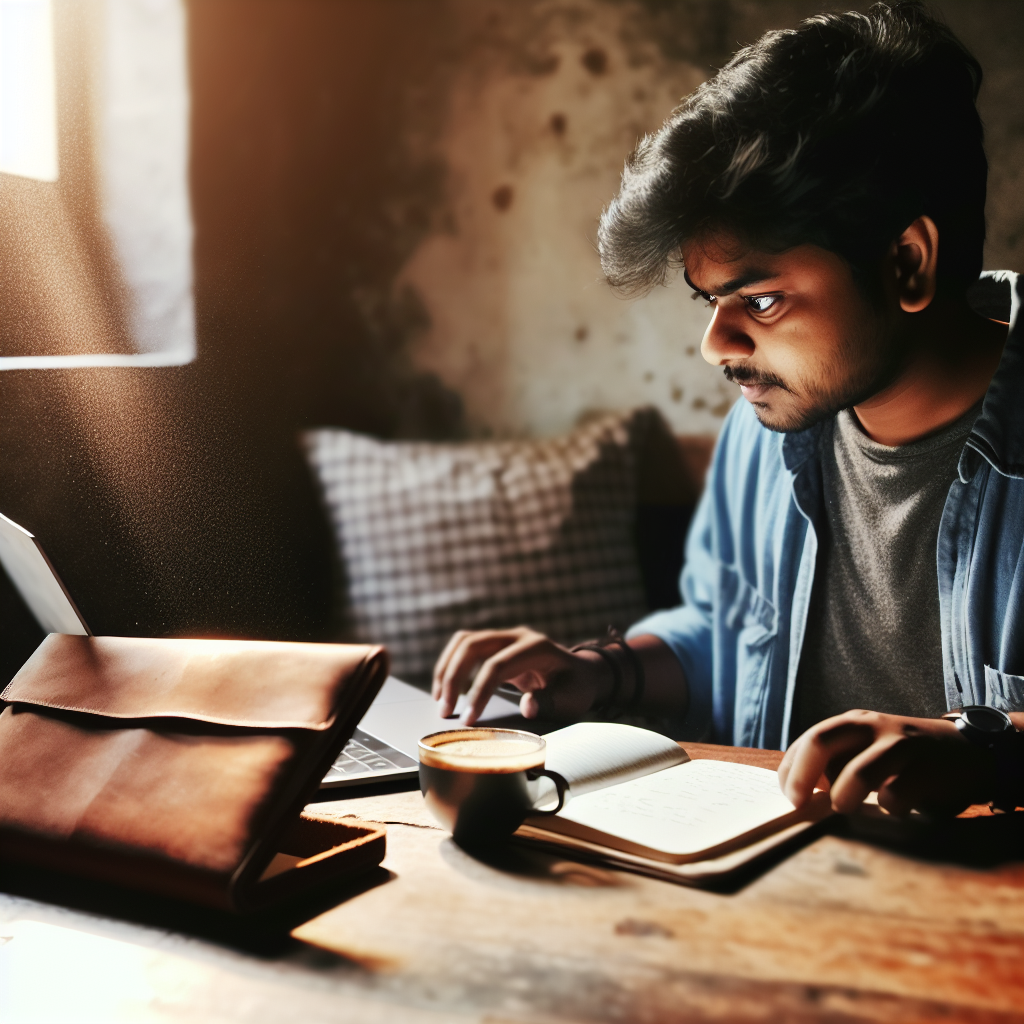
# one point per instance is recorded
(752, 276)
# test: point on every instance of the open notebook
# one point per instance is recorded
(637, 800)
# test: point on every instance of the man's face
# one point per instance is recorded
(793, 330)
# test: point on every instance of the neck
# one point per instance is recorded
(952, 355)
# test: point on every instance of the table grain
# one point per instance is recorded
(840, 930)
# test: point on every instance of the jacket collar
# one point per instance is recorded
(800, 446)
(998, 434)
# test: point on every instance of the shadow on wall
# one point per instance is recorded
(394, 208)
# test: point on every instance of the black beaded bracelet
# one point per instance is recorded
(636, 699)
(606, 648)
(613, 664)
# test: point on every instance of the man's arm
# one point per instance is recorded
(564, 685)
(555, 682)
(914, 763)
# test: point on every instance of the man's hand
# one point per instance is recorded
(554, 681)
(914, 763)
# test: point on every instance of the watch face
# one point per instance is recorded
(986, 719)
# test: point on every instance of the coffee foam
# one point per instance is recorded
(488, 748)
(483, 751)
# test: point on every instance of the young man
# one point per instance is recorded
(860, 543)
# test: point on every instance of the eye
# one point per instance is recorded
(761, 303)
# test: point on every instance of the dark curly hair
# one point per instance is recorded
(838, 133)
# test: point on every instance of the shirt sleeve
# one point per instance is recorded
(687, 630)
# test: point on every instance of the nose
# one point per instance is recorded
(725, 340)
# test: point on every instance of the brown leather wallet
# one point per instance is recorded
(182, 767)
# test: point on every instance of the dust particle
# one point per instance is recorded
(502, 197)
(546, 65)
(632, 926)
(595, 60)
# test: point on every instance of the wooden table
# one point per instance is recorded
(841, 930)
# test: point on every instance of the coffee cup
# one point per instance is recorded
(482, 784)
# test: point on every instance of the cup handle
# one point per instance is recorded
(561, 786)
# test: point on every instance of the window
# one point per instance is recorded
(28, 100)
(95, 221)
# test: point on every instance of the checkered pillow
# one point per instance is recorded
(439, 537)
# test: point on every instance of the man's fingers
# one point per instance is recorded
(466, 653)
(530, 656)
(819, 752)
(912, 762)
(502, 667)
(940, 775)
(529, 706)
(441, 665)
(464, 656)
(866, 772)
(891, 801)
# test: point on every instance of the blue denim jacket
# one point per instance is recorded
(753, 543)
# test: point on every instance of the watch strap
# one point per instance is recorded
(1007, 747)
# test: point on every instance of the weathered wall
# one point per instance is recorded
(542, 111)
(546, 100)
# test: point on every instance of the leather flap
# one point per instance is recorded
(254, 684)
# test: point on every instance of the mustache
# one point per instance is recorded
(745, 375)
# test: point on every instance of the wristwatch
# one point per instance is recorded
(992, 729)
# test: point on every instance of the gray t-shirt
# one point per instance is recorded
(873, 637)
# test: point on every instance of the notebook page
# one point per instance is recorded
(680, 811)
(592, 755)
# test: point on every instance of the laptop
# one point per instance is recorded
(383, 747)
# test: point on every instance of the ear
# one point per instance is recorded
(915, 257)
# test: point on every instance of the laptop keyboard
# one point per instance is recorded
(365, 756)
